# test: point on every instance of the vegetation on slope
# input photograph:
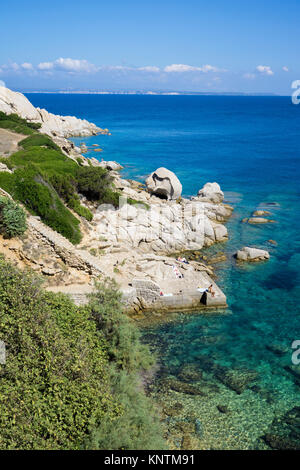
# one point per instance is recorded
(70, 377)
(14, 123)
(48, 182)
(12, 218)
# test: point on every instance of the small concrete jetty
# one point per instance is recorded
(173, 296)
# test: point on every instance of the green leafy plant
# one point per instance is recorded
(71, 377)
(38, 140)
(16, 124)
(12, 218)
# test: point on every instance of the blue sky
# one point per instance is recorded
(220, 45)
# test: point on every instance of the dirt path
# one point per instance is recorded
(9, 142)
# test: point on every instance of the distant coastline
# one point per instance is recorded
(161, 93)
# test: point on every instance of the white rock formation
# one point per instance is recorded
(260, 220)
(111, 165)
(252, 254)
(51, 124)
(164, 183)
(211, 192)
(164, 228)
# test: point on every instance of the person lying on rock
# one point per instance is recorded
(182, 260)
(210, 290)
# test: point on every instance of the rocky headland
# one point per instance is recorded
(133, 243)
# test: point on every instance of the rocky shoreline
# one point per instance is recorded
(134, 243)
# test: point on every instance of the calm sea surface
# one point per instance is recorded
(251, 147)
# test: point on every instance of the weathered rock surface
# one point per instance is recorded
(211, 192)
(260, 213)
(259, 220)
(164, 183)
(166, 227)
(252, 254)
(111, 165)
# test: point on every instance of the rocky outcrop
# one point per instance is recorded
(163, 228)
(51, 124)
(164, 184)
(252, 254)
(211, 192)
(110, 165)
(259, 220)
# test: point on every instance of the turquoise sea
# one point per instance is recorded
(241, 358)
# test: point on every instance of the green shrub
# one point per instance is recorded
(12, 218)
(48, 161)
(55, 386)
(137, 427)
(42, 200)
(60, 388)
(38, 140)
(93, 182)
(14, 123)
(74, 204)
(123, 337)
(28, 187)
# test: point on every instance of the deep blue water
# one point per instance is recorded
(251, 147)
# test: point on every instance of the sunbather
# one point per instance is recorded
(211, 291)
(182, 260)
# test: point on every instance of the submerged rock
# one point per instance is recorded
(164, 184)
(277, 348)
(171, 383)
(223, 409)
(284, 433)
(173, 410)
(252, 254)
(190, 373)
(236, 379)
(294, 370)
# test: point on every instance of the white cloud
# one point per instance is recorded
(285, 69)
(115, 67)
(12, 66)
(149, 68)
(210, 68)
(27, 66)
(45, 66)
(264, 70)
(180, 68)
(2, 83)
(68, 65)
(191, 68)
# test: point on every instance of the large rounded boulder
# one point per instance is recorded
(252, 254)
(211, 192)
(164, 184)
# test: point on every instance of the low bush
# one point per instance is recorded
(28, 187)
(69, 381)
(12, 218)
(14, 123)
(55, 386)
(138, 426)
(38, 140)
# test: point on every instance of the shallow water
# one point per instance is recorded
(250, 145)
